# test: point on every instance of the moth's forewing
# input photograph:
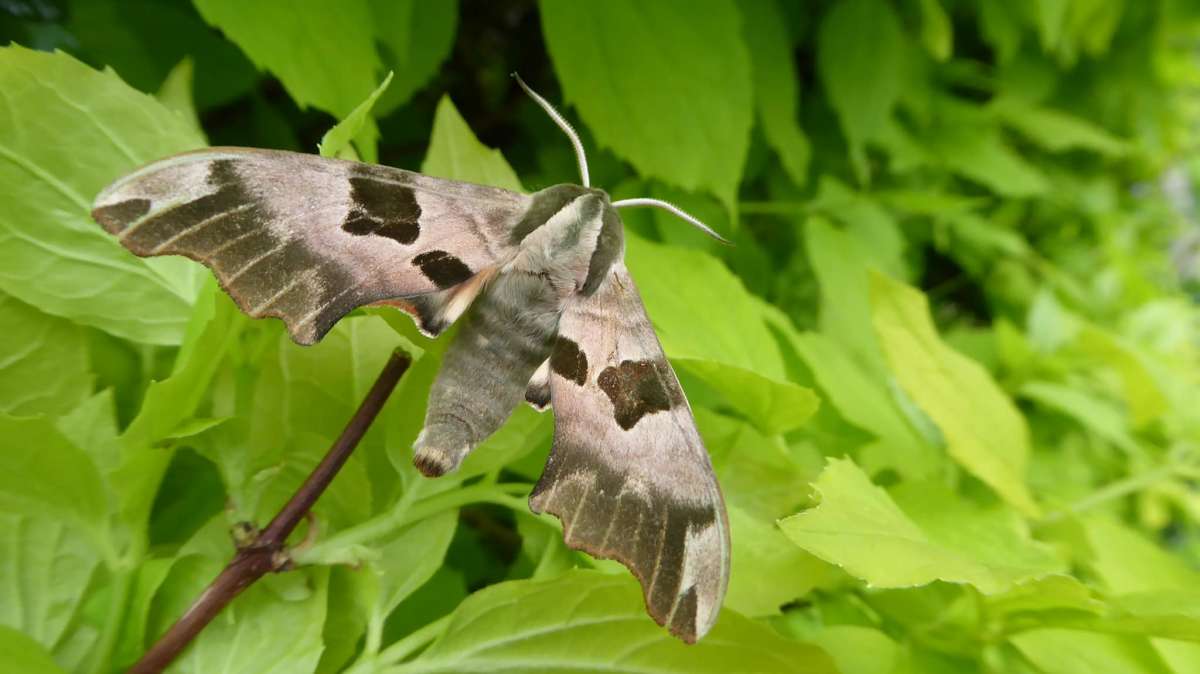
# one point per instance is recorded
(307, 239)
(629, 475)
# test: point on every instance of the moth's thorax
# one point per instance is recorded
(570, 235)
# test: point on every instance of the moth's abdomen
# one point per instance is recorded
(505, 336)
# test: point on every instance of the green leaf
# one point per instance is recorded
(1054, 130)
(1095, 414)
(414, 38)
(190, 573)
(978, 236)
(324, 54)
(401, 566)
(169, 405)
(1127, 562)
(905, 152)
(775, 91)
(1171, 614)
(937, 34)
(145, 40)
(92, 427)
(926, 533)
(760, 551)
(19, 653)
(841, 263)
(1000, 26)
(336, 141)
(350, 591)
(732, 350)
(41, 472)
(774, 405)
(50, 565)
(859, 650)
(44, 367)
(410, 559)
(455, 153)
(214, 327)
(347, 501)
(132, 642)
(302, 399)
(863, 84)
(1061, 651)
(757, 473)
(189, 494)
(972, 146)
(1052, 593)
(542, 545)
(1180, 656)
(864, 400)
(932, 202)
(196, 426)
(263, 631)
(1143, 395)
(879, 238)
(52, 255)
(1051, 325)
(985, 432)
(176, 93)
(842, 260)
(570, 623)
(665, 85)
(1050, 19)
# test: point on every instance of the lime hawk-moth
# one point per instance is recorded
(549, 314)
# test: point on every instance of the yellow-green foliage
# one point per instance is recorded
(949, 374)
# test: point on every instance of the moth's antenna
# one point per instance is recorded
(562, 124)
(667, 206)
(583, 167)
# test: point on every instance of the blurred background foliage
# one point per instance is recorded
(949, 373)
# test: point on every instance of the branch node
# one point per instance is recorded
(281, 560)
(245, 535)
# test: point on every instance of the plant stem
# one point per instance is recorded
(413, 642)
(266, 552)
(775, 207)
(499, 494)
(1115, 490)
(382, 526)
(112, 622)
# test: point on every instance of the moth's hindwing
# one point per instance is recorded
(307, 239)
(629, 475)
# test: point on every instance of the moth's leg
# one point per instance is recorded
(434, 312)
(506, 335)
(537, 392)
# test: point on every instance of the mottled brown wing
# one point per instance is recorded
(629, 475)
(307, 239)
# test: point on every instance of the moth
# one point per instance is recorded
(549, 313)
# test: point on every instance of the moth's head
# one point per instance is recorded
(586, 187)
(565, 193)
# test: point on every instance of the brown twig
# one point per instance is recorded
(266, 553)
